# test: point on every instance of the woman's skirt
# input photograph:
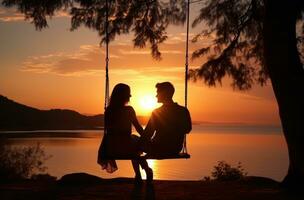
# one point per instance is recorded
(117, 147)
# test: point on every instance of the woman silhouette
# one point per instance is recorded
(118, 141)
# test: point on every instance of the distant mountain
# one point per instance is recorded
(16, 116)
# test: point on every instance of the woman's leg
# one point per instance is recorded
(144, 164)
(136, 169)
(149, 172)
(135, 162)
(141, 162)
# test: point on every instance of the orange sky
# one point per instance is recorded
(56, 68)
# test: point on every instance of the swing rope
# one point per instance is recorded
(184, 149)
(107, 96)
(106, 102)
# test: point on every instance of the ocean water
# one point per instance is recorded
(261, 150)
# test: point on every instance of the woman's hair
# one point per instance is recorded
(120, 95)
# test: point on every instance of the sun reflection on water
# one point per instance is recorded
(154, 165)
(260, 154)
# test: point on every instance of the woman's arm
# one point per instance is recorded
(135, 122)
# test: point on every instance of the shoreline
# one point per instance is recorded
(51, 134)
(92, 132)
(85, 186)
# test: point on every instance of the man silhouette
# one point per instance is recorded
(168, 124)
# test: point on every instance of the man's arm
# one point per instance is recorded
(150, 128)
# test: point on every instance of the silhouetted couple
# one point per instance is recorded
(163, 135)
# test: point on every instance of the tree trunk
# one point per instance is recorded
(287, 77)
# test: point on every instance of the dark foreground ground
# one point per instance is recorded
(86, 187)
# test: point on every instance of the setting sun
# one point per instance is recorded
(147, 103)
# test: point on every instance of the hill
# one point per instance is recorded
(16, 116)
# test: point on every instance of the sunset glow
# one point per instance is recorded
(150, 99)
(148, 103)
(67, 72)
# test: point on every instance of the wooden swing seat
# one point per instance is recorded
(150, 157)
(161, 157)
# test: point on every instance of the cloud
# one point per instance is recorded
(12, 15)
(9, 15)
(134, 52)
(90, 59)
(252, 97)
(125, 72)
(146, 52)
(83, 61)
(62, 13)
(175, 39)
(172, 52)
(265, 92)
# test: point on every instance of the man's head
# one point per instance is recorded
(165, 91)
